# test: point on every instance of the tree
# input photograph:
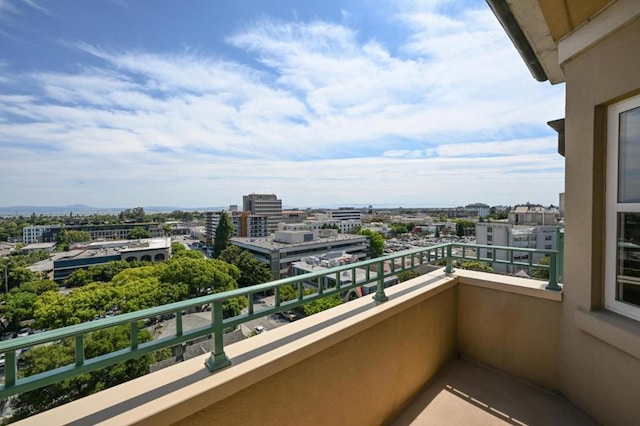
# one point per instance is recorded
(407, 275)
(376, 242)
(19, 275)
(465, 227)
(17, 307)
(138, 233)
(322, 304)
(540, 273)
(103, 273)
(224, 232)
(252, 271)
(399, 228)
(177, 248)
(475, 265)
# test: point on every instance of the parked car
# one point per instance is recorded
(259, 329)
(290, 315)
(24, 332)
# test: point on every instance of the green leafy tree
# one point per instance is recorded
(407, 275)
(224, 232)
(19, 275)
(540, 273)
(399, 228)
(37, 287)
(252, 271)
(476, 265)
(138, 233)
(288, 292)
(322, 304)
(177, 248)
(102, 273)
(376, 242)
(17, 307)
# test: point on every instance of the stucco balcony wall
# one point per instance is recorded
(359, 363)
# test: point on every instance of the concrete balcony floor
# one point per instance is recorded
(464, 393)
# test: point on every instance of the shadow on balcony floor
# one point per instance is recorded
(468, 394)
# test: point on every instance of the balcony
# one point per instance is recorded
(362, 362)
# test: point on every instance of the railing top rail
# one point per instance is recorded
(127, 318)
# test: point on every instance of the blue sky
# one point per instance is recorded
(195, 103)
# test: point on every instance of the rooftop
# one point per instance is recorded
(269, 243)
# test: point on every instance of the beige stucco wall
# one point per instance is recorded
(600, 378)
(512, 332)
(362, 380)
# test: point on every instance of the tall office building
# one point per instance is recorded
(264, 205)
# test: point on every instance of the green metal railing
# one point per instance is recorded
(376, 271)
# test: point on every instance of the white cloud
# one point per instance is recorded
(326, 109)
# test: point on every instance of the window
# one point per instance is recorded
(547, 246)
(489, 229)
(622, 283)
(489, 237)
(548, 237)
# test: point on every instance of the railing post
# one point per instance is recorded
(10, 369)
(79, 350)
(449, 269)
(380, 296)
(553, 281)
(218, 359)
(560, 244)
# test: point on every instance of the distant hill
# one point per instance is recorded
(84, 210)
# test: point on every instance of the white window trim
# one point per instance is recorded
(613, 207)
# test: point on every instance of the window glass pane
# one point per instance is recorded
(628, 259)
(629, 157)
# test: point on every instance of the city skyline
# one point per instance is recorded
(118, 103)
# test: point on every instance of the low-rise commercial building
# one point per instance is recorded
(119, 231)
(30, 248)
(149, 250)
(292, 246)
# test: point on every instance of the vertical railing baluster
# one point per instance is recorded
(179, 322)
(10, 368)
(250, 303)
(218, 359)
(560, 247)
(134, 334)
(79, 350)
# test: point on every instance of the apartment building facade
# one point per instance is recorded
(268, 205)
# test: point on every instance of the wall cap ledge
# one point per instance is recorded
(509, 284)
(174, 393)
(616, 330)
